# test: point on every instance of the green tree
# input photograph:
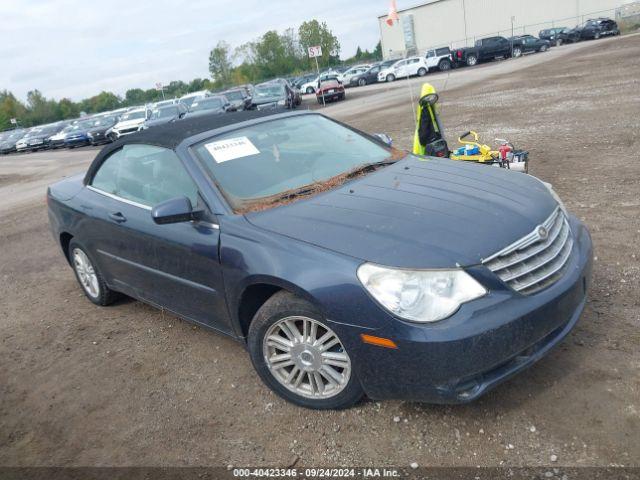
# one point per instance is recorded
(377, 52)
(314, 33)
(358, 53)
(220, 63)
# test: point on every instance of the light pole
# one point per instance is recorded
(464, 15)
(513, 19)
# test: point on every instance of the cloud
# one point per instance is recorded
(76, 48)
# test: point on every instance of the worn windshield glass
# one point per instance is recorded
(271, 90)
(235, 95)
(207, 104)
(164, 113)
(133, 115)
(267, 160)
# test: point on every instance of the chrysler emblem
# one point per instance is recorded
(543, 234)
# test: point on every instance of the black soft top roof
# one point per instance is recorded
(171, 135)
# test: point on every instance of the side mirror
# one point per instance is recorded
(175, 210)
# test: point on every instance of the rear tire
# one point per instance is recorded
(444, 65)
(89, 277)
(472, 60)
(517, 52)
(294, 382)
(596, 36)
(559, 42)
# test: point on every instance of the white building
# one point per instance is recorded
(457, 23)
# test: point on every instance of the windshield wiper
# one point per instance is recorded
(369, 167)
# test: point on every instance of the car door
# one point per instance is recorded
(400, 69)
(372, 75)
(189, 280)
(174, 266)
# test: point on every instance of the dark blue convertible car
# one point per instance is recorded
(345, 266)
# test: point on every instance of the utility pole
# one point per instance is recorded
(464, 15)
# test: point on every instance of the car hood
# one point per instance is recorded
(265, 100)
(102, 129)
(129, 123)
(417, 213)
(159, 121)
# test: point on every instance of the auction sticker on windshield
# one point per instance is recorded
(231, 149)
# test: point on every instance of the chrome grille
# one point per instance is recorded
(537, 260)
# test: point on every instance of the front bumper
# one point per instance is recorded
(485, 343)
(73, 142)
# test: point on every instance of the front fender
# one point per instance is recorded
(250, 255)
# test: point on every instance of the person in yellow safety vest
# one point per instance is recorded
(428, 138)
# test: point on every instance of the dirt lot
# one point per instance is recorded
(129, 385)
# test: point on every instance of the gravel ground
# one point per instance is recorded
(129, 385)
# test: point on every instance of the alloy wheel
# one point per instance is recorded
(306, 357)
(86, 273)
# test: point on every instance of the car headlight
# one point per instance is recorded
(420, 295)
(282, 103)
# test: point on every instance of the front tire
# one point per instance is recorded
(362, 82)
(310, 90)
(559, 42)
(517, 52)
(298, 355)
(391, 78)
(89, 276)
(472, 60)
(543, 48)
(422, 72)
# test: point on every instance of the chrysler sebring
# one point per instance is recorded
(345, 266)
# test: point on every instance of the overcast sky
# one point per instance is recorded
(77, 48)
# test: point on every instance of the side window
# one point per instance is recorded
(145, 174)
(442, 51)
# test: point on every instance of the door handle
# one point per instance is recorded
(117, 217)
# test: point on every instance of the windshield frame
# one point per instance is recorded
(188, 148)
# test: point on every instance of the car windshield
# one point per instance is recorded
(104, 121)
(165, 112)
(258, 166)
(207, 104)
(270, 90)
(134, 115)
(234, 95)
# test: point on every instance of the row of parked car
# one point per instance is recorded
(443, 59)
(110, 126)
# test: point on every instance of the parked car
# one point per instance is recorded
(300, 81)
(57, 140)
(38, 138)
(238, 98)
(129, 123)
(594, 29)
(23, 143)
(8, 143)
(312, 86)
(529, 43)
(291, 89)
(100, 127)
(486, 49)
(339, 264)
(165, 114)
(215, 104)
(78, 136)
(345, 78)
(560, 35)
(188, 99)
(407, 67)
(367, 77)
(272, 95)
(329, 91)
(439, 59)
